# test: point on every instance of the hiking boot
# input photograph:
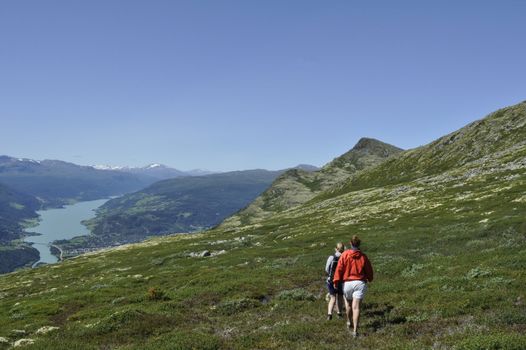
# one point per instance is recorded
(354, 334)
(340, 315)
(329, 317)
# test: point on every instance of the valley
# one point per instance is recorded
(59, 224)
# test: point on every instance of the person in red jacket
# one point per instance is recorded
(355, 270)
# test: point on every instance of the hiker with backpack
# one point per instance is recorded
(335, 291)
(354, 269)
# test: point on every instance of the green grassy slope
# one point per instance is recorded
(297, 186)
(448, 248)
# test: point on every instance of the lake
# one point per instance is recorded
(63, 223)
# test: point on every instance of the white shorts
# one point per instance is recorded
(354, 289)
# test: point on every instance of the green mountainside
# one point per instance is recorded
(447, 242)
(182, 204)
(15, 208)
(297, 186)
(483, 141)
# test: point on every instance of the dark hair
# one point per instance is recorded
(355, 241)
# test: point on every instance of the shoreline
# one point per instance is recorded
(60, 256)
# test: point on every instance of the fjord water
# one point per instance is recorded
(62, 223)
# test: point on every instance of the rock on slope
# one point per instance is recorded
(297, 186)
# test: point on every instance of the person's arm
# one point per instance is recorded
(369, 274)
(338, 274)
(328, 264)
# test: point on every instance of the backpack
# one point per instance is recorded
(332, 269)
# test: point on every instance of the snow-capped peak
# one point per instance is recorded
(154, 165)
(28, 160)
(108, 167)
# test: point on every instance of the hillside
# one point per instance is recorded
(482, 141)
(182, 204)
(56, 182)
(297, 186)
(448, 245)
(15, 208)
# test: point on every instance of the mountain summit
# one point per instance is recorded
(297, 186)
(373, 145)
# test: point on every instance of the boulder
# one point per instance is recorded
(23, 342)
(46, 329)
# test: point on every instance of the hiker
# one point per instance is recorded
(335, 291)
(355, 270)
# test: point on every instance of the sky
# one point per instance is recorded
(230, 85)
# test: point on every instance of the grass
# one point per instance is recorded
(444, 278)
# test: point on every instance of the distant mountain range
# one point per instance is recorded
(55, 182)
(158, 171)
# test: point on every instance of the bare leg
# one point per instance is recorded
(331, 304)
(348, 311)
(339, 304)
(356, 313)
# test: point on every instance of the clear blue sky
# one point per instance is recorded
(227, 85)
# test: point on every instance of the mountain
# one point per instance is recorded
(297, 186)
(473, 146)
(182, 204)
(15, 208)
(200, 172)
(56, 182)
(157, 171)
(444, 226)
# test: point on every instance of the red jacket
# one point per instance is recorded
(353, 265)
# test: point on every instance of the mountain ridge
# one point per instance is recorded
(156, 170)
(297, 186)
(57, 182)
(470, 143)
